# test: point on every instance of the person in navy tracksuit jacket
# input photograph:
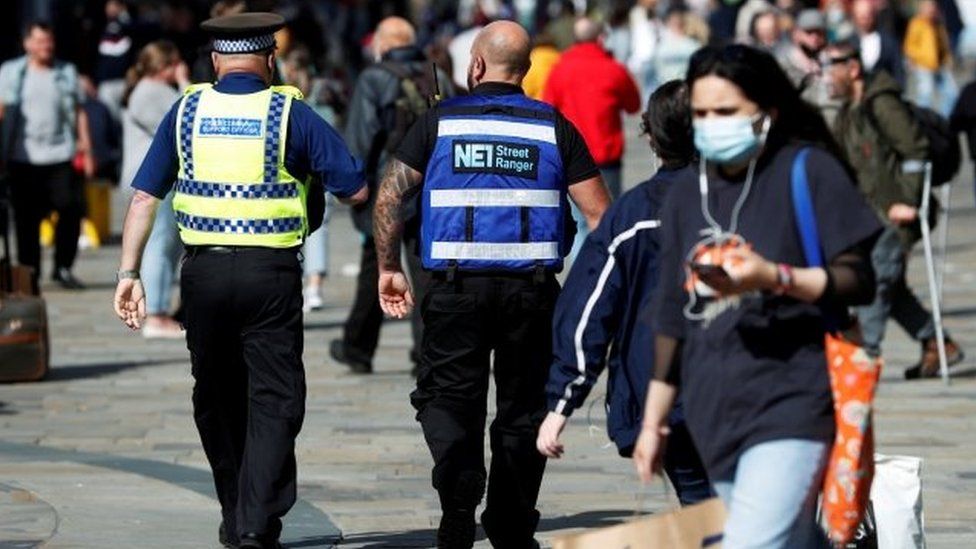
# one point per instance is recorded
(602, 302)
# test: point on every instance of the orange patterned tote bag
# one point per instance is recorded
(853, 378)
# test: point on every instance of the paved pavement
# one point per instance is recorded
(104, 452)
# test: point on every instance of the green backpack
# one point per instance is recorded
(416, 89)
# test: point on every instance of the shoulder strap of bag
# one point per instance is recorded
(806, 219)
(806, 223)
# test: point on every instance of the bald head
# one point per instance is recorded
(392, 33)
(500, 53)
(586, 30)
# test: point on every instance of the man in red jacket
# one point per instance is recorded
(590, 88)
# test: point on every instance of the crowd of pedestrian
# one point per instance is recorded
(482, 142)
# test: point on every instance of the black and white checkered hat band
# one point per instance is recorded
(244, 45)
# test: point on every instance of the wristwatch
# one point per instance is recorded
(119, 276)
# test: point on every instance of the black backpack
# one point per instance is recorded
(944, 145)
(414, 99)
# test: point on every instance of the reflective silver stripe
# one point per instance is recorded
(461, 198)
(495, 250)
(913, 166)
(500, 128)
(591, 303)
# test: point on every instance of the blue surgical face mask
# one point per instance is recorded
(729, 139)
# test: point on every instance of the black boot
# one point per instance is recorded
(456, 530)
(457, 527)
(257, 541)
(225, 537)
(339, 353)
(509, 531)
(63, 276)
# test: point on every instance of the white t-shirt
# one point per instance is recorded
(870, 50)
(644, 36)
(967, 11)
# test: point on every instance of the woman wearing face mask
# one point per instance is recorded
(739, 313)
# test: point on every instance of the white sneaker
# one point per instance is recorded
(312, 299)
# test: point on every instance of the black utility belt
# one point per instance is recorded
(198, 250)
(537, 275)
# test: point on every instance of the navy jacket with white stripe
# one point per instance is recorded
(603, 307)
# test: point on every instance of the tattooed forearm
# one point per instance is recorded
(398, 181)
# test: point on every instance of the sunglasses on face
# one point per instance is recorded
(833, 61)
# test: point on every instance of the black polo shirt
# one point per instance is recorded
(418, 145)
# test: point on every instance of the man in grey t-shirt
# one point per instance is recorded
(43, 129)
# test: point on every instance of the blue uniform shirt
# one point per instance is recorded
(312, 147)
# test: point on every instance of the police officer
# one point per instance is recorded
(243, 157)
(494, 169)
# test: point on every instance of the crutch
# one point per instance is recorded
(942, 253)
(934, 290)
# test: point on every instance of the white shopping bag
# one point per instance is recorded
(896, 494)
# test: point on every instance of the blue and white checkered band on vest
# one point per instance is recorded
(244, 45)
(494, 194)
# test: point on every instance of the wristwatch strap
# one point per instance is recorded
(127, 274)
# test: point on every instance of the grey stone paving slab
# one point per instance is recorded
(305, 525)
(25, 519)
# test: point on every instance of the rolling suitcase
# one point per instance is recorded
(24, 352)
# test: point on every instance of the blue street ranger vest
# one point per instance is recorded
(494, 194)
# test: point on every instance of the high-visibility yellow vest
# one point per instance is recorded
(233, 188)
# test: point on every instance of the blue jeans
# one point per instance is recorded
(772, 501)
(613, 178)
(928, 82)
(160, 259)
(316, 249)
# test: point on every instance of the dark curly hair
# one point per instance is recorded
(668, 121)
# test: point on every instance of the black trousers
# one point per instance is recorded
(361, 332)
(465, 320)
(36, 191)
(244, 332)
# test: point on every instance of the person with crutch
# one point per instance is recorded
(888, 149)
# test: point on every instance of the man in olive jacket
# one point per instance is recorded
(887, 147)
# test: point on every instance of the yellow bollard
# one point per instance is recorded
(95, 226)
(98, 195)
(47, 229)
